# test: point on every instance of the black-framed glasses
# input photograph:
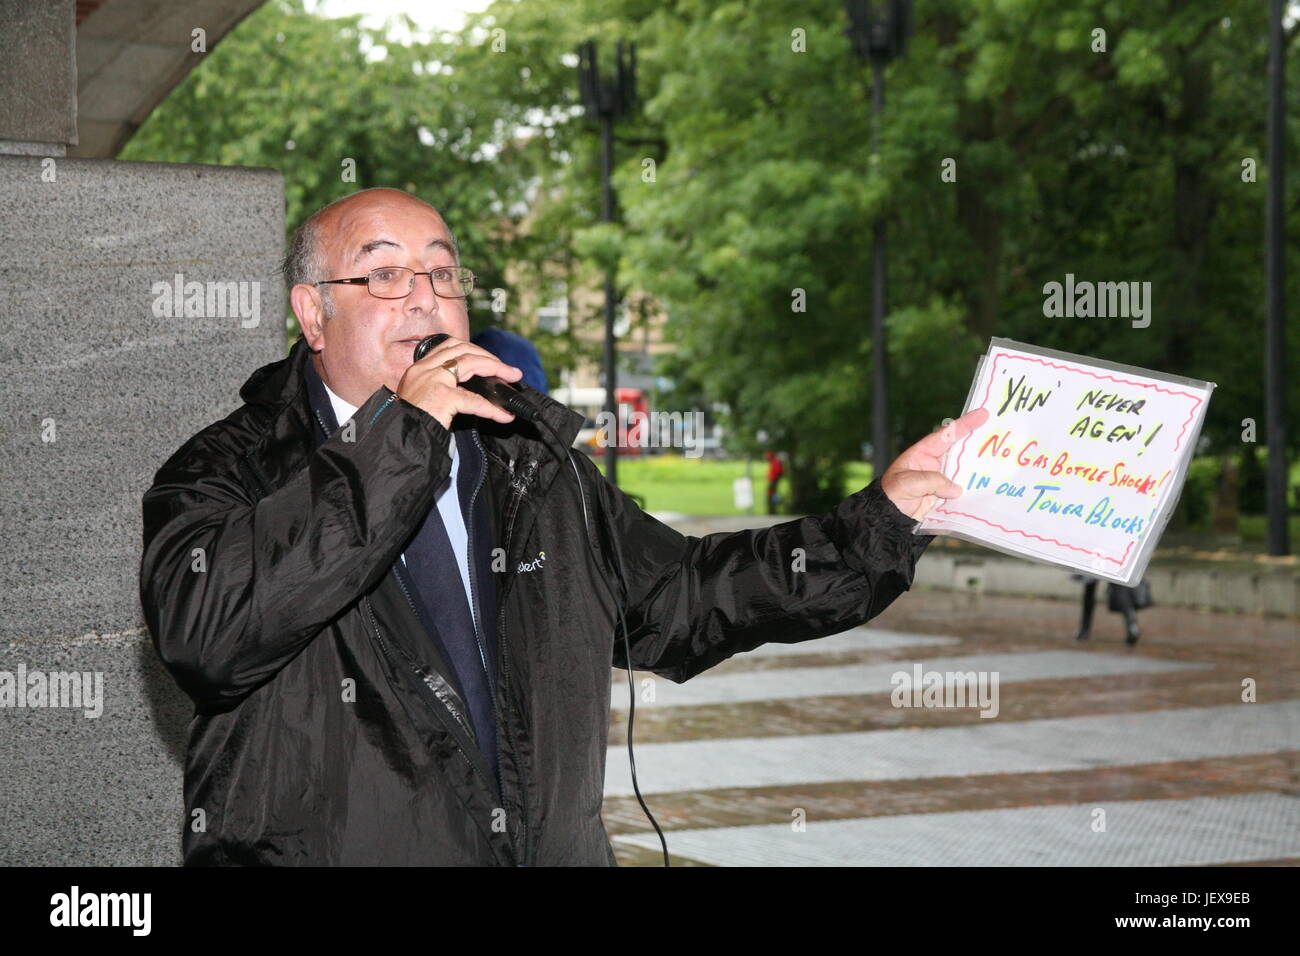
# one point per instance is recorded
(397, 282)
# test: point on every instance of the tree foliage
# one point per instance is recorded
(747, 189)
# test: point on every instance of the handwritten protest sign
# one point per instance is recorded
(1079, 464)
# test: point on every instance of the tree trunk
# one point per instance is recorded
(1193, 213)
(981, 223)
(1223, 518)
(816, 483)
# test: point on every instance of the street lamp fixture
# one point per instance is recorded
(608, 99)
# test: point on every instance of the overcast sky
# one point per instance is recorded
(429, 14)
(450, 14)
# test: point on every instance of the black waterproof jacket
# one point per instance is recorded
(325, 731)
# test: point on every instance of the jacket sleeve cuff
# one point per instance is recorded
(873, 534)
(387, 402)
(409, 438)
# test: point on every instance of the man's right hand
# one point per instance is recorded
(433, 388)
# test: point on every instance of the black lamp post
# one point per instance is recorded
(608, 99)
(1275, 334)
(879, 32)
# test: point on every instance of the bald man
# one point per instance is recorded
(395, 606)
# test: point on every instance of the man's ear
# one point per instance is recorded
(309, 309)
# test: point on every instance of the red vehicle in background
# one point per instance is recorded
(590, 402)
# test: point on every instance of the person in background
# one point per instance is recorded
(774, 472)
(1120, 599)
(514, 349)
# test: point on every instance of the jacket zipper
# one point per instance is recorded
(462, 719)
(505, 690)
(503, 644)
(473, 588)
(388, 401)
(451, 707)
(473, 604)
(415, 670)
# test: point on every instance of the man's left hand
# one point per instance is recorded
(914, 482)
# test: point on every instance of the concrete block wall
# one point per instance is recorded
(1266, 592)
(100, 387)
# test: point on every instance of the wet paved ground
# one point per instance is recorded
(1099, 754)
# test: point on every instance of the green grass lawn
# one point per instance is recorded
(1254, 529)
(699, 486)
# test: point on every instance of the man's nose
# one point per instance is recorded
(421, 296)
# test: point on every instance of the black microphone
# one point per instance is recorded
(500, 393)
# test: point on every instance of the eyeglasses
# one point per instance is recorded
(396, 282)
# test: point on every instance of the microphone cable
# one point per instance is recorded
(627, 649)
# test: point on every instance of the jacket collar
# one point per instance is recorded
(280, 389)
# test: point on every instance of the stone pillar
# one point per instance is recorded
(103, 379)
(38, 77)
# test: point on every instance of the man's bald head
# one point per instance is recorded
(307, 261)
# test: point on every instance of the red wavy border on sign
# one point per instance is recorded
(1082, 371)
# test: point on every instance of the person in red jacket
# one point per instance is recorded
(775, 469)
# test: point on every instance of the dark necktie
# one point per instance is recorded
(432, 566)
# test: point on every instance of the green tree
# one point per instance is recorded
(747, 191)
